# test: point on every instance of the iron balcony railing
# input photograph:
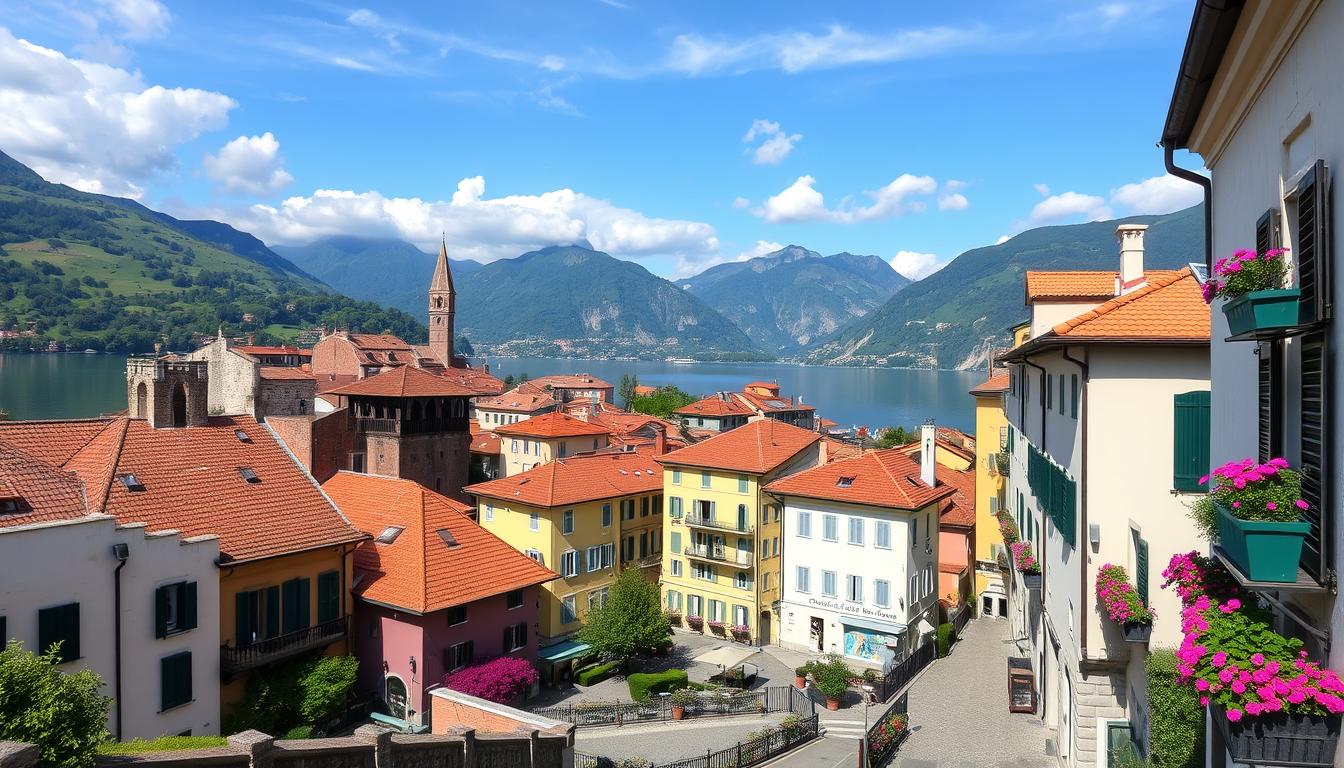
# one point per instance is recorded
(720, 554)
(368, 425)
(703, 521)
(237, 659)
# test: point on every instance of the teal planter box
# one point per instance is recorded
(1262, 311)
(1264, 551)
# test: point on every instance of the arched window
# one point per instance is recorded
(303, 406)
(141, 400)
(395, 696)
(438, 302)
(180, 405)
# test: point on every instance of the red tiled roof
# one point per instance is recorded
(477, 379)
(516, 400)
(379, 342)
(52, 441)
(757, 447)
(552, 424)
(570, 381)
(886, 478)
(404, 381)
(485, 443)
(765, 385)
(278, 372)
(1170, 306)
(254, 349)
(839, 449)
(419, 571)
(577, 479)
(1078, 284)
(715, 405)
(996, 384)
(44, 492)
(957, 510)
(764, 403)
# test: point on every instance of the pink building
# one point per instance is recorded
(434, 591)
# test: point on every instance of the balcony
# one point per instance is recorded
(234, 659)
(704, 521)
(720, 554)
(367, 425)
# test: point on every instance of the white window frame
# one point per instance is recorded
(831, 578)
(569, 604)
(882, 593)
(534, 521)
(569, 564)
(804, 524)
(567, 522)
(831, 522)
(594, 558)
(802, 579)
(854, 588)
(881, 531)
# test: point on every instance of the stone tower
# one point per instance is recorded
(168, 393)
(442, 298)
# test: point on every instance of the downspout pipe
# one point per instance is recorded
(1085, 544)
(1045, 382)
(1169, 159)
(122, 553)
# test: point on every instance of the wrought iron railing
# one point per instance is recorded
(239, 658)
(704, 521)
(720, 554)
(368, 425)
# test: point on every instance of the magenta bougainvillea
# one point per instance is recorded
(500, 680)
(1024, 559)
(1119, 597)
(1008, 528)
(1246, 271)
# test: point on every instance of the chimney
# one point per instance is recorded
(659, 440)
(1131, 257)
(927, 451)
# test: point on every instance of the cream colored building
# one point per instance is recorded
(532, 442)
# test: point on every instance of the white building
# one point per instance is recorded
(82, 579)
(1108, 438)
(1258, 100)
(861, 555)
(532, 442)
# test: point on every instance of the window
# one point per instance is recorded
(628, 549)
(776, 541)
(882, 534)
(535, 555)
(913, 595)
(741, 580)
(59, 624)
(856, 531)
(569, 564)
(882, 593)
(567, 521)
(1140, 567)
(802, 579)
(513, 446)
(673, 600)
(527, 444)
(174, 681)
(704, 479)
(765, 515)
(489, 511)
(676, 476)
(776, 509)
(294, 605)
(608, 555)
(457, 615)
(513, 599)
(702, 571)
(568, 610)
(1061, 394)
(1073, 407)
(595, 558)
(914, 531)
(644, 507)
(741, 483)
(804, 524)
(845, 481)
(1190, 451)
(854, 588)
(606, 515)
(830, 528)
(674, 507)
(694, 605)
(676, 541)
(765, 581)
(828, 587)
(328, 596)
(515, 637)
(597, 598)
(643, 543)
(676, 567)
(534, 521)
(562, 449)
(459, 655)
(174, 608)
(716, 610)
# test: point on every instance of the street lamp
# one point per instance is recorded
(867, 689)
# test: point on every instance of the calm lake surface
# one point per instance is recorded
(74, 386)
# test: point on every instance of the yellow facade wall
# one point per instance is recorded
(990, 422)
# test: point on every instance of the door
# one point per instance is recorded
(819, 634)
(396, 697)
(763, 634)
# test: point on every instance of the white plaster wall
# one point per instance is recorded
(52, 564)
(1047, 314)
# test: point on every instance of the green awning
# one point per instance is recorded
(569, 649)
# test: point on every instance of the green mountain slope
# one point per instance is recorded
(392, 272)
(91, 271)
(792, 297)
(573, 301)
(952, 318)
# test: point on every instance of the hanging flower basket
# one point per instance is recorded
(1252, 284)
(695, 622)
(1255, 511)
(1032, 580)
(1262, 310)
(1281, 739)
(1263, 550)
(1137, 632)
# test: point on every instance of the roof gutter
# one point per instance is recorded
(1051, 341)
(1206, 183)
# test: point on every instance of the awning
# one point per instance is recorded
(924, 627)
(876, 626)
(569, 649)
(726, 656)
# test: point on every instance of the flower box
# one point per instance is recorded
(1137, 632)
(1262, 310)
(1279, 739)
(1031, 580)
(1262, 550)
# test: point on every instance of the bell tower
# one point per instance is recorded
(442, 297)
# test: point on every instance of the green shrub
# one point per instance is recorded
(946, 637)
(684, 697)
(597, 673)
(1175, 719)
(299, 732)
(642, 684)
(161, 744)
(832, 676)
(63, 714)
(305, 691)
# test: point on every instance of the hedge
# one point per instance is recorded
(161, 744)
(1175, 718)
(945, 639)
(644, 683)
(596, 674)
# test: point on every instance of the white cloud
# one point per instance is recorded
(136, 19)
(1042, 189)
(249, 164)
(761, 248)
(1003, 239)
(548, 98)
(916, 265)
(954, 185)
(802, 202)
(93, 126)
(477, 227)
(777, 144)
(1159, 194)
(953, 201)
(552, 63)
(793, 52)
(1067, 205)
(741, 202)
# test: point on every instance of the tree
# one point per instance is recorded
(308, 691)
(631, 619)
(894, 436)
(463, 347)
(661, 403)
(63, 714)
(626, 391)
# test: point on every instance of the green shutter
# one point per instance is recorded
(244, 618)
(1141, 569)
(304, 611)
(161, 611)
(1073, 408)
(328, 596)
(188, 606)
(676, 542)
(1190, 451)
(272, 611)
(175, 680)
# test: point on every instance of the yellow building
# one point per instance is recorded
(721, 563)
(991, 441)
(575, 516)
(534, 442)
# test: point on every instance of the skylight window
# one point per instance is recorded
(131, 482)
(448, 538)
(10, 507)
(249, 475)
(389, 534)
(242, 436)
(845, 482)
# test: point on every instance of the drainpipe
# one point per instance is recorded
(122, 553)
(1082, 506)
(1168, 157)
(1045, 382)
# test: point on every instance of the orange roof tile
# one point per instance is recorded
(379, 342)
(255, 349)
(480, 380)
(958, 510)
(485, 443)
(577, 479)
(714, 405)
(839, 449)
(43, 492)
(404, 381)
(886, 478)
(279, 372)
(757, 447)
(1170, 306)
(570, 381)
(517, 401)
(552, 424)
(53, 441)
(774, 403)
(996, 384)
(420, 571)
(1078, 284)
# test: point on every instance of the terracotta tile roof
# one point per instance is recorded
(419, 571)
(478, 379)
(254, 349)
(52, 441)
(621, 423)
(577, 479)
(957, 510)
(404, 381)
(379, 342)
(1078, 284)
(97, 461)
(43, 491)
(485, 443)
(552, 424)
(280, 372)
(517, 401)
(714, 405)
(839, 449)
(996, 384)
(885, 478)
(571, 381)
(773, 403)
(1170, 306)
(765, 385)
(757, 447)
(642, 390)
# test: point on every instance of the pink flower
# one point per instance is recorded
(1218, 659)
(1302, 504)
(1201, 685)
(1271, 506)
(1238, 687)
(1234, 715)
(1258, 659)
(1252, 709)
(1236, 505)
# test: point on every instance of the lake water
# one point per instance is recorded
(73, 386)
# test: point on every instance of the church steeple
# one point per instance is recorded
(442, 297)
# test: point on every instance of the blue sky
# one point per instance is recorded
(679, 135)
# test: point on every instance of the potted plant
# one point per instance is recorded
(1252, 283)
(1122, 603)
(717, 627)
(674, 618)
(1026, 564)
(680, 700)
(742, 633)
(695, 622)
(800, 675)
(832, 677)
(1255, 513)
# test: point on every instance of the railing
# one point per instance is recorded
(720, 554)
(703, 521)
(961, 616)
(368, 425)
(888, 733)
(901, 674)
(236, 659)
(770, 743)
(708, 704)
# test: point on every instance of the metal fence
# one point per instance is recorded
(961, 616)
(888, 733)
(901, 674)
(776, 698)
(768, 744)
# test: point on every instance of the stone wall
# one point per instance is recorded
(1097, 695)
(285, 397)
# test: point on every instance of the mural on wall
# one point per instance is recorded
(869, 645)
